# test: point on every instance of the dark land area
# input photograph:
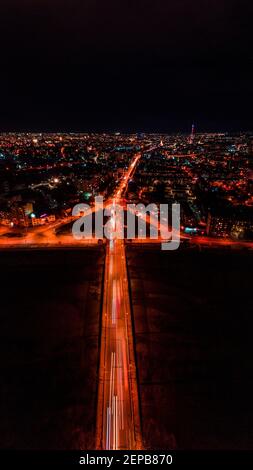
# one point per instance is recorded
(193, 331)
(49, 341)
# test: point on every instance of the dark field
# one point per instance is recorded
(193, 317)
(49, 337)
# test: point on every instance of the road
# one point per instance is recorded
(204, 242)
(45, 235)
(118, 419)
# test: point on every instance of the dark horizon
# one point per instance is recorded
(112, 131)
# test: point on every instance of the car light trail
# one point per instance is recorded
(118, 421)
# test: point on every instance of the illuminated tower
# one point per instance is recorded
(191, 140)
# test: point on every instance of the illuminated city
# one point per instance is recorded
(43, 176)
(126, 233)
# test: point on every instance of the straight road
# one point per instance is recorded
(118, 419)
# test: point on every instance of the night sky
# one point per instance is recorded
(139, 65)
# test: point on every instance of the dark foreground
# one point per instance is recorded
(49, 338)
(193, 330)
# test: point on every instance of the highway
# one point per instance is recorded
(46, 236)
(118, 419)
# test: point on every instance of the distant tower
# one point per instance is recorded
(191, 140)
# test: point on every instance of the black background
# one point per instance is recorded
(125, 65)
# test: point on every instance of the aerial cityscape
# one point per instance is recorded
(117, 303)
(44, 175)
(126, 233)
